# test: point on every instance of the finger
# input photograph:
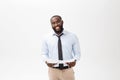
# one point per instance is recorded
(67, 63)
(54, 63)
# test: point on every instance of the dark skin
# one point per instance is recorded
(57, 25)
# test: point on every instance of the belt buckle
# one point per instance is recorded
(64, 67)
(61, 68)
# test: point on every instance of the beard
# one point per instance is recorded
(59, 30)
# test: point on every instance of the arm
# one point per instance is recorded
(45, 52)
(76, 51)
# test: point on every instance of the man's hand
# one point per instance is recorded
(71, 64)
(50, 64)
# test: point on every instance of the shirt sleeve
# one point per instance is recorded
(76, 48)
(44, 50)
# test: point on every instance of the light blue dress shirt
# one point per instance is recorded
(70, 47)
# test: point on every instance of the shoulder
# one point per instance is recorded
(72, 34)
(46, 36)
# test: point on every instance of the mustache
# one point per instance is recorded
(61, 29)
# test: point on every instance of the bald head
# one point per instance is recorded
(57, 16)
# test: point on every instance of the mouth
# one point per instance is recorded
(57, 28)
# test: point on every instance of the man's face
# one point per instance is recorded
(57, 24)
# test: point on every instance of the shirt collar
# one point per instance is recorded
(54, 34)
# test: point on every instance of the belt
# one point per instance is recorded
(61, 68)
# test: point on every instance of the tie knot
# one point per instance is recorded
(60, 35)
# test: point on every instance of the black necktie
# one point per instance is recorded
(60, 55)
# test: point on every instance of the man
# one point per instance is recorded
(60, 51)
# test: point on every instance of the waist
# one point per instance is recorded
(57, 65)
(61, 67)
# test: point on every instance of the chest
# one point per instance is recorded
(65, 41)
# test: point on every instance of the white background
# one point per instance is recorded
(95, 22)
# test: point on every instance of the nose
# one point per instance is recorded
(56, 24)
